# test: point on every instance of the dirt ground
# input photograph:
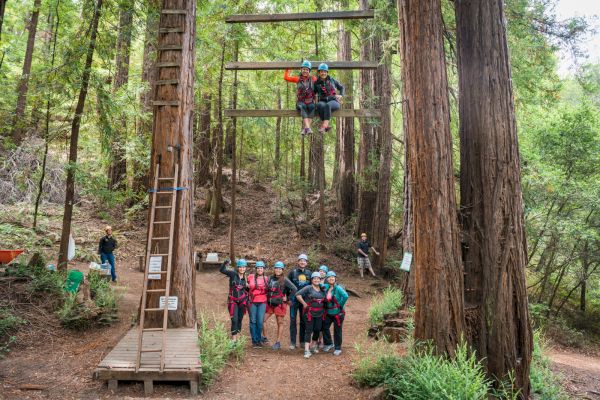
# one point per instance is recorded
(61, 362)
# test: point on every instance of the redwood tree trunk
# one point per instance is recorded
(491, 199)
(173, 126)
(218, 150)
(439, 315)
(277, 159)
(19, 124)
(117, 172)
(70, 183)
(203, 141)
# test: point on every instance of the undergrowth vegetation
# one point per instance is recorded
(216, 348)
(387, 302)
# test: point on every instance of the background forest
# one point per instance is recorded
(43, 47)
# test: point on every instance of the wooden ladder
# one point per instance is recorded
(166, 290)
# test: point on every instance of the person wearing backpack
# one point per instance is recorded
(258, 284)
(329, 99)
(335, 302)
(237, 301)
(281, 289)
(312, 298)
(300, 277)
(305, 94)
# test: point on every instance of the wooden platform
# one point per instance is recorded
(306, 16)
(281, 65)
(182, 360)
(355, 113)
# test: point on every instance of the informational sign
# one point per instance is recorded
(155, 277)
(155, 264)
(172, 303)
(406, 261)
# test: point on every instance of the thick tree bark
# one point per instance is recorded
(203, 142)
(117, 172)
(317, 162)
(491, 199)
(173, 129)
(345, 186)
(19, 124)
(72, 165)
(367, 178)
(382, 210)
(232, 123)
(218, 150)
(439, 315)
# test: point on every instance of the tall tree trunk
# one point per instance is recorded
(72, 165)
(203, 141)
(277, 159)
(19, 124)
(439, 315)
(382, 211)
(302, 160)
(233, 189)
(2, 9)
(218, 150)
(367, 152)
(232, 122)
(117, 172)
(491, 199)
(345, 186)
(173, 129)
(585, 267)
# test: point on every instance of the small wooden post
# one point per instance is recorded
(148, 387)
(112, 385)
(141, 263)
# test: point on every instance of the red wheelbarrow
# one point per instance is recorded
(6, 256)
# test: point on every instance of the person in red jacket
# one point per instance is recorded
(306, 97)
(258, 286)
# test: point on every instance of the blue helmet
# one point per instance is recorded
(315, 275)
(259, 264)
(323, 67)
(241, 263)
(331, 273)
(306, 64)
(324, 268)
(279, 264)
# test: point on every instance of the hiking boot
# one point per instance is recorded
(337, 353)
(307, 354)
(327, 348)
(276, 346)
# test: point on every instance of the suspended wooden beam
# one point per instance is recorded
(295, 113)
(314, 16)
(280, 65)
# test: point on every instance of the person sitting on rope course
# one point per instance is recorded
(335, 302)
(312, 298)
(237, 301)
(281, 289)
(329, 100)
(300, 278)
(258, 284)
(305, 93)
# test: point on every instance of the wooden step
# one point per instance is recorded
(171, 30)
(152, 329)
(161, 222)
(359, 113)
(170, 47)
(280, 65)
(150, 350)
(173, 11)
(173, 103)
(169, 64)
(155, 309)
(166, 179)
(161, 238)
(163, 207)
(307, 16)
(156, 290)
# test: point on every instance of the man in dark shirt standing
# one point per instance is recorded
(362, 248)
(106, 247)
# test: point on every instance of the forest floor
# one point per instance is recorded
(60, 362)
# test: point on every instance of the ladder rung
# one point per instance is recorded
(167, 64)
(168, 82)
(158, 254)
(171, 30)
(156, 290)
(160, 238)
(173, 103)
(174, 11)
(163, 207)
(152, 329)
(167, 179)
(170, 47)
(161, 222)
(150, 350)
(155, 309)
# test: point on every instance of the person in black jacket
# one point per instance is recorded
(107, 245)
(237, 301)
(300, 277)
(329, 98)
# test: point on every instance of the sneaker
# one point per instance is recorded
(327, 348)
(303, 132)
(314, 349)
(321, 130)
(257, 345)
(307, 131)
(265, 340)
(337, 353)
(292, 346)
(327, 129)
(276, 346)
(307, 354)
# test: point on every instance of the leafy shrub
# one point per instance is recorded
(216, 348)
(544, 383)
(75, 315)
(104, 297)
(48, 282)
(388, 302)
(377, 362)
(8, 322)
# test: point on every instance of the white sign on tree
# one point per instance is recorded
(172, 303)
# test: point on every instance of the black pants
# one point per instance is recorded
(239, 309)
(337, 331)
(306, 110)
(296, 310)
(313, 328)
(326, 108)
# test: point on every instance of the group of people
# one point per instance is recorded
(321, 93)
(316, 302)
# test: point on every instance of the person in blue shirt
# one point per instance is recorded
(335, 303)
